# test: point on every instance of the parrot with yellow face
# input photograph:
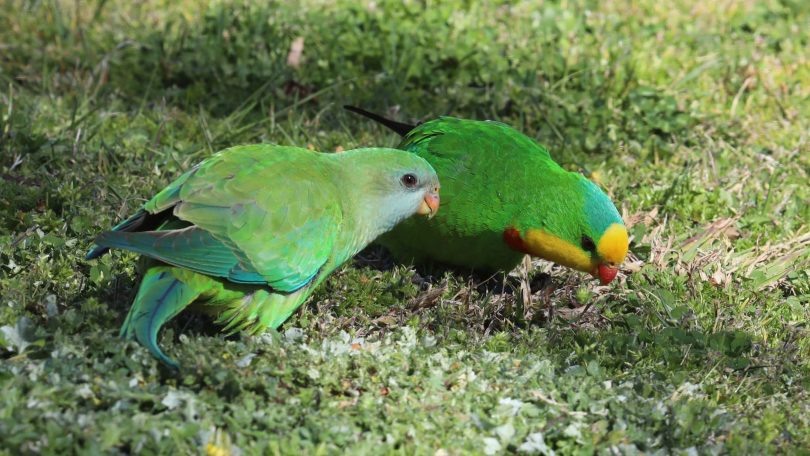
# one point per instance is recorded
(503, 196)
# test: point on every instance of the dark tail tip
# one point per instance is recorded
(96, 252)
(400, 128)
(101, 245)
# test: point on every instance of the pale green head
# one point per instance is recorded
(391, 184)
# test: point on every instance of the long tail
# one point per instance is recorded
(400, 128)
(160, 297)
(140, 221)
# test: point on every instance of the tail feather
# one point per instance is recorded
(139, 221)
(400, 128)
(160, 297)
(191, 247)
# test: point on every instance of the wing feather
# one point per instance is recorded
(258, 213)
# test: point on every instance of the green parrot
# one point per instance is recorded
(250, 232)
(502, 197)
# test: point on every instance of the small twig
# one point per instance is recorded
(585, 310)
(23, 235)
(76, 141)
(745, 85)
(563, 408)
(749, 368)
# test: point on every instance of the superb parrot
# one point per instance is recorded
(503, 196)
(250, 232)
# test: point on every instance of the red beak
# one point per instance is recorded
(606, 273)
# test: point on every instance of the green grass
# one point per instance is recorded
(694, 117)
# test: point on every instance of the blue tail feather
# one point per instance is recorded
(160, 297)
(139, 221)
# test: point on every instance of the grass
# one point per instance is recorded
(694, 116)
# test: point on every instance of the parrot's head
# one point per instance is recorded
(580, 229)
(395, 185)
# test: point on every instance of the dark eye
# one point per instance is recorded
(409, 180)
(587, 244)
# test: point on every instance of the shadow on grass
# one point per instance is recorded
(622, 339)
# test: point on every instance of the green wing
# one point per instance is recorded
(452, 137)
(258, 214)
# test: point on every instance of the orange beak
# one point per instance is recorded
(430, 205)
(605, 273)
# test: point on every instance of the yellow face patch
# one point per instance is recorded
(612, 247)
(549, 247)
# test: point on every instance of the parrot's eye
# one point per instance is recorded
(587, 244)
(409, 180)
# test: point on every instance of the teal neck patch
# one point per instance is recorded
(599, 210)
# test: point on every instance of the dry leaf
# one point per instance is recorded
(428, 298)
(718, 278)
(296, 52)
